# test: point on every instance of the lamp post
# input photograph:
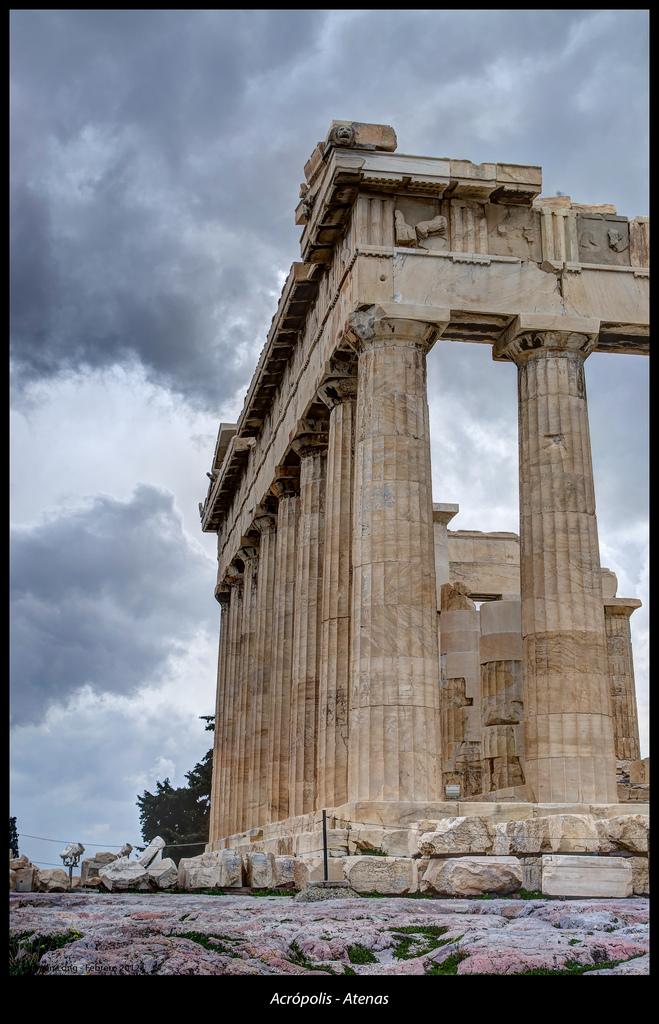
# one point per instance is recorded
(71, 855)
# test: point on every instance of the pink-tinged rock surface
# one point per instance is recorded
(169, 933)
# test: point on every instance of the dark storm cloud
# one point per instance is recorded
(102, 597)
(156, 156)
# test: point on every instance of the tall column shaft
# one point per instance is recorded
(569, 753)
(258, 809)
(277, 761)
(233, 694)
(332, 754)
(219, 754)
(245, 704)
(306, 635)
(394, 676)
(617, 612)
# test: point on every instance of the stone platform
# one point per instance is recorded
(302, 835)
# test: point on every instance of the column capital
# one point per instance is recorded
(309, 436)
(286, 482)
(531, 333)
(265, 516)
(335, 390)
(234, 576)
(443, 512)
(223, 594)
(249, 548)
(622, 605)
(397, 322)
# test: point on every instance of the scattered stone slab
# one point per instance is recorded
(472, 876)
(586, 876)
(640, 875)
(92, 865)
(311, 869)
(219, 869)
(124, 874)
(153, 852)
(284, 872)
(163, 873)
(386, 875)
(52, 880)
(259, 870)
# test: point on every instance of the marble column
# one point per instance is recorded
(569, 755)
(339, 394)
(265, 521)
(501, 695)
(617, 613)
(312, 449)
(394, 677)
(216, 823)
(249, 553)
(234, 578)
(286, 488)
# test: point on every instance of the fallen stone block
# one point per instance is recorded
(259, 870)
(25, 878)
(163, 874)
(310, 869)
(586, 876)
(626, 832)
(640, 875)
(388, 875)
(91, 867)
(284, 872)
(456, 836)
(12, 880)
(472, 876)
(153, 852)
(16, 863)
(219, 869)
(52, 880)
(124, 874)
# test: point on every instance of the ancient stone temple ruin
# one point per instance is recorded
(373, 662)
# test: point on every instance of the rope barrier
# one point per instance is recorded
(46, 839)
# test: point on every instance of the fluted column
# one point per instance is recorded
(286, 488)
(394, 675)
(216, 823)
(234, 578)
(265, 522)
(245, 704)
(617, 613)
(569, 754)
(501, 695)
(339, 394)
(312, 449)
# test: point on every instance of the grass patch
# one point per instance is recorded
(271, 892)
(213, 942)
(377, 852)
(449, 966)
(574, 942)
(26, 950)
(573, 967)
(361, 955)
(415, 940)
(349, 971)
(296, 956)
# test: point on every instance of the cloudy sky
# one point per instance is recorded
(156, 158)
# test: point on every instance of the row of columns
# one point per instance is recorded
(329, 664)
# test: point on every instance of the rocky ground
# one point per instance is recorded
(166, 933)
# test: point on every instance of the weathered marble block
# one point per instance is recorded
(472, 876)
(388, 875)
(586, 876)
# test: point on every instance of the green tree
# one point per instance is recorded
(13, 837)
(180, 815)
